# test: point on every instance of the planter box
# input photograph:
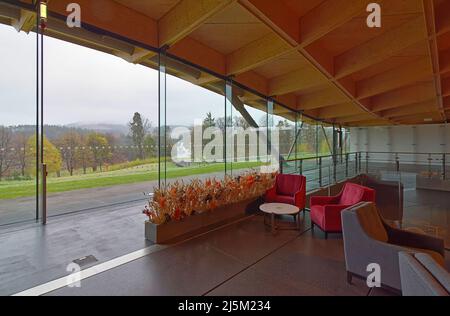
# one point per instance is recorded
(190, 226)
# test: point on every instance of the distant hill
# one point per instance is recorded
(105, 128)
(55, 131)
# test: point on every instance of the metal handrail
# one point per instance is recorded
(430, 161)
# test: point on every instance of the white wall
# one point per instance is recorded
(413, 139)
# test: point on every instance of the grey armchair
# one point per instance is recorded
(422, 276)
(368, 239)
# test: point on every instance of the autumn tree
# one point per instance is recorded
(6, 159)
(84, 155)
(52, 156)
(99, 146)
(69, 145)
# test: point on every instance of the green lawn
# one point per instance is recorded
(16, 189)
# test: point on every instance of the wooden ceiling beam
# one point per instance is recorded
(430, 18)
(303, 78)
(356, 118)
(374, 122)
(340, 110)
(328, 16)
(415, 93)
(257, 53)
(419, 118)
(380, 48)
(199, 54)
(322, 98)
(26, 22)
(185, 17)
(395, 78)
(416, 108)
(138, 56)
(276, 15)
(115, 18)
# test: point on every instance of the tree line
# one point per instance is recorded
(74, 149)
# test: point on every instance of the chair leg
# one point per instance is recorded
(326, 235)
(349, 277)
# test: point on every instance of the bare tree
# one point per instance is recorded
(20, 141)
(6, 159)
(70, 143)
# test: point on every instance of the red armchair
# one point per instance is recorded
(326, 210)
(288, 189)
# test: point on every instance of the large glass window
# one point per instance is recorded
(248, 134)
(100, 131)
(17, 126)
(192, 115)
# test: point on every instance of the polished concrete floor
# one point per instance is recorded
(243, 258)
(33, 254)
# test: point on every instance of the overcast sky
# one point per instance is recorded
(84, 85)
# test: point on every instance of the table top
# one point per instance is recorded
(279, 209)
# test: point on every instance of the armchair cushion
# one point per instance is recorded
(288, 184)
(352, 194)
(372, 224)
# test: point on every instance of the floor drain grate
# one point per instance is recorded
(84, 261)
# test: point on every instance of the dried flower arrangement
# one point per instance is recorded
(180, 200)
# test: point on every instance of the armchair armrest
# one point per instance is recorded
(300, 199)
(332, 216)
(271, 194)
(409, 239)
(322, 200)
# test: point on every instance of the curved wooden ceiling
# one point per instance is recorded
(318, 56)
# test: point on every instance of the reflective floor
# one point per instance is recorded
(243, 258)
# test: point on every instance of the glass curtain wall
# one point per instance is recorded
(192, 123)
(100, 128)
(247, 133)
(18, 114)
(286, 123)
(114, 129)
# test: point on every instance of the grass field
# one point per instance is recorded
(135, 174)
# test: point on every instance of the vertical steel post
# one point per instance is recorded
(44, 193)
(346, 165)
(367, 162)
(444, 175)
(397, 163)
(301, 167)
(320, 171)
(360, 162)
(429, 166)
